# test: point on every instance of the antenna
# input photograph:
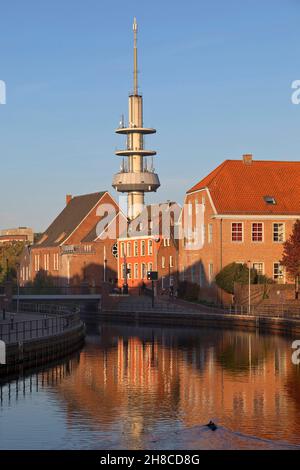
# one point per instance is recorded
(135, 71)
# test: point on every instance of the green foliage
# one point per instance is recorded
(43, 284)
(235, 272)
(10, 254)
(188, 291)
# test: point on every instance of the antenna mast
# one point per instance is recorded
(135, 70)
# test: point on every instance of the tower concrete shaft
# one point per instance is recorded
(135, 177)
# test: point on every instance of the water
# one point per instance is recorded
(140, 387)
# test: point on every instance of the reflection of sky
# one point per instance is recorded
(137, 387)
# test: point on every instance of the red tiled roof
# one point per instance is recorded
(239, 188)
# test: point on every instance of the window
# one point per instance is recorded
(128, 248)
(166, 241)
(46, 262)
(37, 262)
(143, 271)
(150, 267)
(122, 249)
(129, 270)
(163, 262)
(150, 247)
(237, 232)
(278, 272)
(171, 262)
(210, 272)
(56, 262)
(203, 233)
(201, 275)
(278, 232)
(270, 200)
(136, 271)
(210, 233)
(259, 268)
(143, 251)
(257, 232)
(122, 270)
(136, 249)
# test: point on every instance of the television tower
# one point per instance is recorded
(136, 176)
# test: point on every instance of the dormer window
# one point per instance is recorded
(270, 200)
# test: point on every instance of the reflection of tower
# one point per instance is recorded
(135, 177)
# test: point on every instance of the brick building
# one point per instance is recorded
(150, 244)
(248, 209)
(21, 234)
(76, 249)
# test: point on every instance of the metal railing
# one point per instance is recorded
(44, 324)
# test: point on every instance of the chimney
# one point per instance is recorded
(247, 159)
(68, 198)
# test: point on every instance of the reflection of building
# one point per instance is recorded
(75, 249)
(21, 234)
(137, 381)
(249, 211)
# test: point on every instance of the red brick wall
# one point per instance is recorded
(222, 251)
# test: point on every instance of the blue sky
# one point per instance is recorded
(215, 75)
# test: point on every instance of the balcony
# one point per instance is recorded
(78, 250)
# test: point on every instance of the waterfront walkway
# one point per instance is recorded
(16, 327)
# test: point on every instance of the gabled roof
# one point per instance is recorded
(240, 188)
(69, 219)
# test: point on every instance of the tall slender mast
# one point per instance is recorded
(135, 58)
(135, 178)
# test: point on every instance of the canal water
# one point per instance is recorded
(144, 387)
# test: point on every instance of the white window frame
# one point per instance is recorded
(143, 248)
(279, 280)
(263, 267)
(273, 232)
(231, 233)
(150, 247)
(135, 248)
(136, 271)
(262, 232)
(163, 262)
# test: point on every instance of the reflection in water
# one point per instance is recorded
(140, 387)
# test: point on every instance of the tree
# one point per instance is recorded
(236, 272)
(291, 255)
(10, 254)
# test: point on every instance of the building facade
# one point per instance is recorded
(80, 246)
(247, 210)
(153, 247)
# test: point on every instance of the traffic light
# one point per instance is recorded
(152, 275)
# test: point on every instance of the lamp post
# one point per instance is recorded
(249, 287)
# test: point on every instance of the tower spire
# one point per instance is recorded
(134, 178)
(135, 70)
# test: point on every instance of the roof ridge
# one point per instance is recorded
(216, 171)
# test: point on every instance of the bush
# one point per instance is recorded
(235, 272)
(188, 291)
